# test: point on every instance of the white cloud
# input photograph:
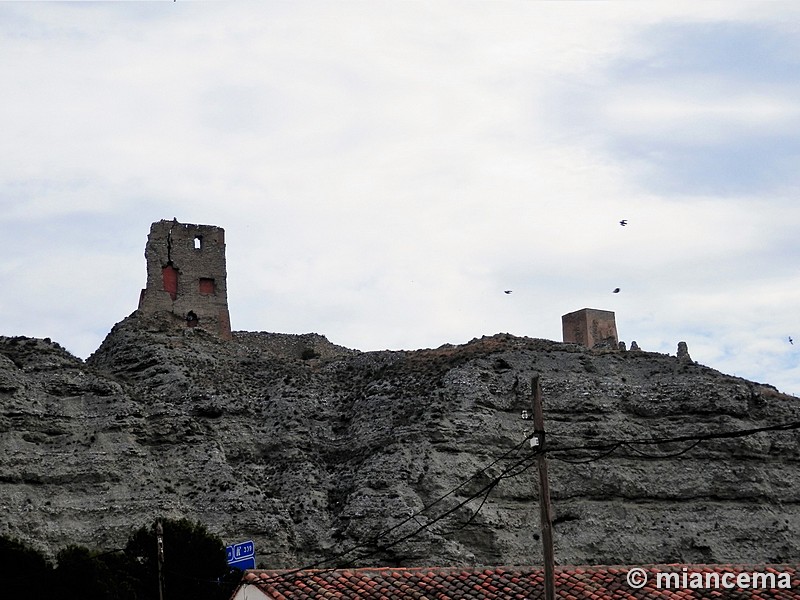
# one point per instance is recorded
(699, 111)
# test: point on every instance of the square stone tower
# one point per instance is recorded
(186, 276)
(590, 327)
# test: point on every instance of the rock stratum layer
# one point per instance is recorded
(310, 449)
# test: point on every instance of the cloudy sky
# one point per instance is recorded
(384, 170)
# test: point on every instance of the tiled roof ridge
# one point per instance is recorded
(509, 582)
(256, 576)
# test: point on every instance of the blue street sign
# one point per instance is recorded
(244, 564)
(242, 555)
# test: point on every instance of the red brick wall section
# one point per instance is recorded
(170, 275)
(206, 285)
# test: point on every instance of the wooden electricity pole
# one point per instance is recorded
(160, 543)
(544, 494)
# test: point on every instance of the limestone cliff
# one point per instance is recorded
(310, 448)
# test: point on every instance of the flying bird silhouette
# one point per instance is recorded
(623, 222)
(616, 291)
(507, 291)
(791, 341)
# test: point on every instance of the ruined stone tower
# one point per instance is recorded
(186, 276)
(590, 327)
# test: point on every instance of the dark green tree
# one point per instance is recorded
(83, 575)
(195, 564)
(24, 572)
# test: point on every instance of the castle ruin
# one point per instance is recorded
(590, 327)
(186, 276)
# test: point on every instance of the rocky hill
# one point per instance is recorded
(310, 448)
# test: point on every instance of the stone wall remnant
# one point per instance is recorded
(590, 327)
(186, 276)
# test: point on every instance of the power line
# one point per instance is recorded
(374, 541)
(660, 456)
(447, 513)
(614, 444)
(719, 435)
(608, 451)
(507, 472)
(489, 491)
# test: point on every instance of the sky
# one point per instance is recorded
(385, 170)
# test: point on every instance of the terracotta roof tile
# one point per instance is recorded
(517, 583)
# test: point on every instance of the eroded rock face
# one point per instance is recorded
(310, 448)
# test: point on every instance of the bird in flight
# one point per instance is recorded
(791, 341)
(623, 222)
(507, 291)
(616, 291)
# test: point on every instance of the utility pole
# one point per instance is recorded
(544, 494)
(160, 543)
